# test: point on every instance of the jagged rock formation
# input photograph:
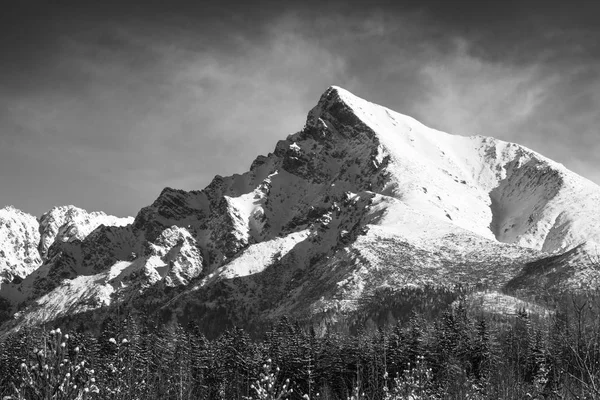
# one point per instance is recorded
(361, 198)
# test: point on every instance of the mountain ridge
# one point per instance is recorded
(361, 198)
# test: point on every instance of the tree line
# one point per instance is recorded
(461, 353)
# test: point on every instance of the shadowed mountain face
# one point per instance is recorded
(361, 199)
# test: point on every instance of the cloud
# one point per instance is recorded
(148, 111)
(548, 106)
(132, 105)
(468, 95)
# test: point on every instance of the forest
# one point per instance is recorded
(460, 353)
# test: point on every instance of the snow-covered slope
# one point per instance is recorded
(19, 238)
(362, 198)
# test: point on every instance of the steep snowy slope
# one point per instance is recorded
(362, 198)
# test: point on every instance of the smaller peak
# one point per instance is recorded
(63, 209)
(11, 208)
(70, 212)
(168, 195)
(168, 191)
(14, 211)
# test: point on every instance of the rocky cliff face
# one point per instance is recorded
(362, 198)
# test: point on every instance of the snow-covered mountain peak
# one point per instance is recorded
(11, 209)
(66, 223)
(362, 197)
(487, 186)
(25, 241)
(11, 213)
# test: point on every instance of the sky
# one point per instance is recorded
(103, 104)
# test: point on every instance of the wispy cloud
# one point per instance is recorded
(131, 106)
(468, 95)
(177, 118)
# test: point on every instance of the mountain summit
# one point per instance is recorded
(363, 200)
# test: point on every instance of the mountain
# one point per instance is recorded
(361, 204)
(28, 245)
(68, 223)
(25, 241)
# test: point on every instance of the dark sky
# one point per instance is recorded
(102, 104)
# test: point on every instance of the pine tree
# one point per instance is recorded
(54, 371)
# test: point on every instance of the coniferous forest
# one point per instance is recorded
(462, 353)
